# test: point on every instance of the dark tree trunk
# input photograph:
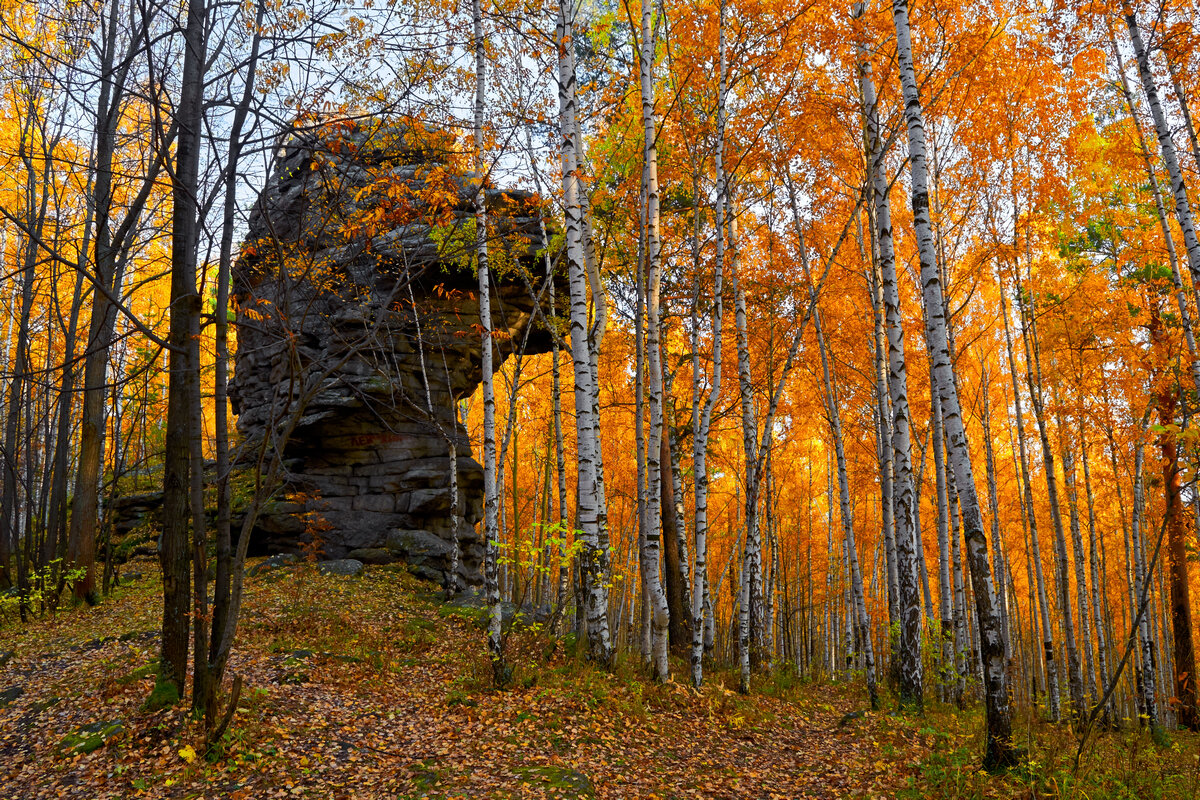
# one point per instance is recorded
(1181, 608)
(183, 381)
(679, 630)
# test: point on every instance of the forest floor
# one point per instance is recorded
(371, 687)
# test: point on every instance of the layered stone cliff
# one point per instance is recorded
(357, 311)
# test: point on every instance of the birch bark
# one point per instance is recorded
(908, 604)
(592, 523)
(862, 623)
(945, 572)
(702, 417)
(1183, 211)
(883, 440)
(651, 554)
(1181, 302)
(751, 556)
(1184, 109)
(999, 752)
(961, 635)
(1147, 682)
(1051, 666)
(994, 511)
(491, 524)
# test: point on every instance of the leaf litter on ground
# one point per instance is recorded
(370, 687)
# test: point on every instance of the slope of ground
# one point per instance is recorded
(371, 687)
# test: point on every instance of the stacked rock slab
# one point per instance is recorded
(357, 317)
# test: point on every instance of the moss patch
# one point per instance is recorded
(89, 738)
(560, 781)
(164, 695)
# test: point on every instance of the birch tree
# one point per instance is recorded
(655, 599)
(999, 752)
(1051, 665)
(1183, 210)
(1184, 655)
(750, 580)
(491, 525)
(702, 411)
(593, 552)
(906, 538)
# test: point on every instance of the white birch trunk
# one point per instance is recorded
(945, 573)
(883, 440)
(862, 622)
(751, 555)
(702, 419)
(1033, 378)
(1181, 302)
(999, 722)
(593, 556)
(560, 598)
(1184, 109)
(655, 596)
(491, 523)
(645, 639)
(908, 601)
(994, 511)
(918, 484)
(1183, 211)
(1148, 675)
(961, 636)
(1051, 666)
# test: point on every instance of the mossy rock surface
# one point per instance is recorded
(146, 671)
(372, 555)
(165, 695)
(560, 781)
(342, 567)
(42, 705)
(272, 562)
(91, 737)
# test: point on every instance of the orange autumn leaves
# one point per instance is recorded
(1037, 183)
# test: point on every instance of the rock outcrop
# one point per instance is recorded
(357, 316)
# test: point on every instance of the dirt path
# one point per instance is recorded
(368, 687)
